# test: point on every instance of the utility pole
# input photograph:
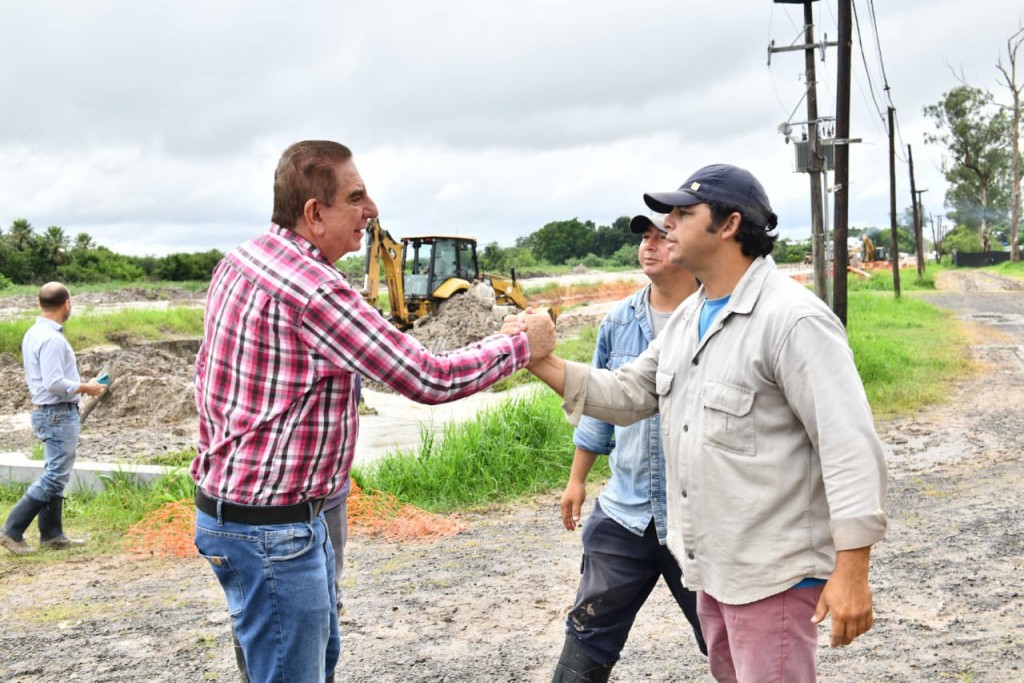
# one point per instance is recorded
(937, 237)
(814, 151)
(892, 204)
(914, 196)
(919, 220)
(814, 161)
(840, 255)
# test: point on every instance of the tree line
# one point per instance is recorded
(30, 257)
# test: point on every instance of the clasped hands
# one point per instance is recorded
(539, 329)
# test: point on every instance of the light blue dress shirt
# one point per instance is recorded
(51, 370)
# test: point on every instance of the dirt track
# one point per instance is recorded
(487, 605)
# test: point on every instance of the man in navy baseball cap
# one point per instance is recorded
(775, 479)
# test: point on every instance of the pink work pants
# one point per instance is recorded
(768, 641)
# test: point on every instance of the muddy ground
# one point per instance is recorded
(488, 604)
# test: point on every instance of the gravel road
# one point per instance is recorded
(488, 604)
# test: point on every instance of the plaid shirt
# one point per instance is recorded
(285, 338)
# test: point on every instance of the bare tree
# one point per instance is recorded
(1009, 73)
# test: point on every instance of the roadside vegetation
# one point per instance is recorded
(906, 351)
(90, 330)
(517, 448)
(104, 517)
(881, 280)
(1008, 269)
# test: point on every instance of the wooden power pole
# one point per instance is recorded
(892, 204)
(814, 161)
(840, 255)
(918, 237)
(815, 155)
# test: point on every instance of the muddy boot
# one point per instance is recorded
(575, 666)
(51, 526)
(22, 514)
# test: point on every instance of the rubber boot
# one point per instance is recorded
(576, 666)
(51, 526)
(22, 514)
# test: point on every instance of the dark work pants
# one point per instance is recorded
(620, 569)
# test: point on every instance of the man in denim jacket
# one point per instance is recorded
(624, 549)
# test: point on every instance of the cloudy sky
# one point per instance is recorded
(155, 126)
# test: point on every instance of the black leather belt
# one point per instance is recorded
(41, 406)
(259, 514)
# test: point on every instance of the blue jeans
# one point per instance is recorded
(58, 427)
(279, 584)
(620, 569)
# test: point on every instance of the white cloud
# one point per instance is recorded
(155, 127)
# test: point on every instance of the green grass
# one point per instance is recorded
(114, 286)
(520, 447)
(105, 517)
(182, 458)
(1008, 269)
(881, 280)
(88, 330)
(905, 349)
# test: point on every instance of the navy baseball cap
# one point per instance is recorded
(639, 224)
(722, 184)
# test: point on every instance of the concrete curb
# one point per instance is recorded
(17, 467)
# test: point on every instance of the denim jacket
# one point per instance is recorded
(636, 491)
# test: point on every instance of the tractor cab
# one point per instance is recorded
(437, 267)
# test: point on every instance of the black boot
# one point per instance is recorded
(22, 514)
(51, 526)
(576, 666)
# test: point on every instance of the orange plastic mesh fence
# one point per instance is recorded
(376, 514)
(169, 530)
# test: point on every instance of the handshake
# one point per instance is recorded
(539, 329)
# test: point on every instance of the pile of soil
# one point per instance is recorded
(148, 409)
(461, 320)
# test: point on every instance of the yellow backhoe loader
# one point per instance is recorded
(422, 273)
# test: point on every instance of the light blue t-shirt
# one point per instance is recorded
(709, 312)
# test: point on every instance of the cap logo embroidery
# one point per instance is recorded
(694, 186)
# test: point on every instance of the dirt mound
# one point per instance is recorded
(152, 383)
(149, 408)
(461, 320)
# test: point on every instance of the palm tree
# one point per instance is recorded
(55, 244)
(83, 242)
(21, 233)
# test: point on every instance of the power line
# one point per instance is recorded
(885, 77)
(867, 69)
(878, 45)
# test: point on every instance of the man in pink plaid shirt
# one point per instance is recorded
(285, 338)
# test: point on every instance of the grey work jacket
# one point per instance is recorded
(772, 461)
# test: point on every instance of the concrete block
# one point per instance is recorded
(17, 467)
